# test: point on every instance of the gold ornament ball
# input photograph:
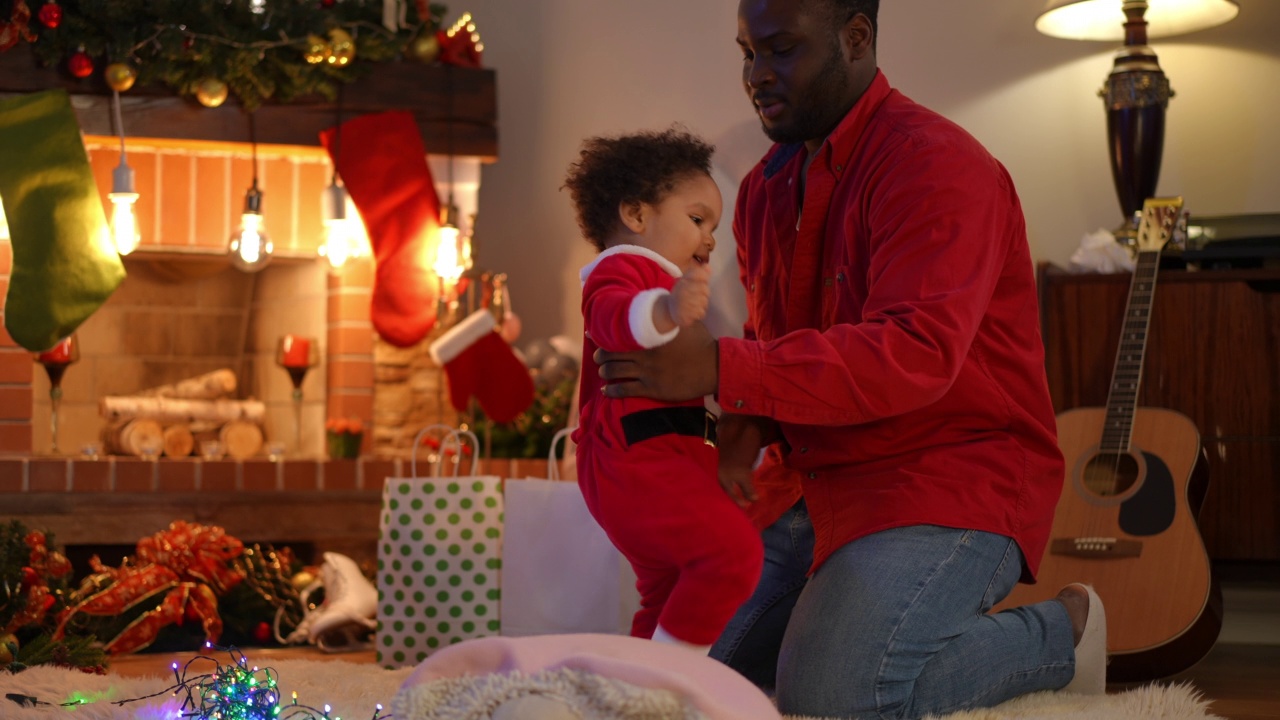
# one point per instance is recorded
(317, 51)
(342, 48)
(424, 48)
(7, 653)
(211, 92)
(120, 76)
(302, 579)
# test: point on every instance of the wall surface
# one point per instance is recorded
(568, 69)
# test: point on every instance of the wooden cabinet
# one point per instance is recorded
(1213, 354)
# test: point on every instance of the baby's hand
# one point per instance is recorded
(690, 296)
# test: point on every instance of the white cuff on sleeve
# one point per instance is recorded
(640, 319)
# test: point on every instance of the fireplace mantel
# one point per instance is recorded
(455, 107)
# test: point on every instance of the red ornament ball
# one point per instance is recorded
(80, 64)
(262, 633)
(50, 14)
(327, 3)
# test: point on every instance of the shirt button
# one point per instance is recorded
(813, 476)
(840, 277)
(804, 450)
(839, 168)
(738, 404)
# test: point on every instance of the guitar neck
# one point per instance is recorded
(1122, 400)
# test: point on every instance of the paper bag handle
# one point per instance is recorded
(553, 465)
(451, 434)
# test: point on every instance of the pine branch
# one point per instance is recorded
(259, 55)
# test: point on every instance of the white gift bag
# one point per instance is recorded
(439, 555)
(560, 572)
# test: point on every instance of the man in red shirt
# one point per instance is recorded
(892, 367)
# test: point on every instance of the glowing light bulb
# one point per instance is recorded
(343, 232)
(124, 223)
(250, 247)
(448, 266)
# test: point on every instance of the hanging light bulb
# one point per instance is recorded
(250, 247)
(449, 254)
(124, 222)
(342, 236)
(448, 265)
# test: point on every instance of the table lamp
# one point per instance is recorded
(1137, 92)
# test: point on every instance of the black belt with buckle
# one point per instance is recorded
(676, 420)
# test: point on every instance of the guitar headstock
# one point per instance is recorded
(1159, 216)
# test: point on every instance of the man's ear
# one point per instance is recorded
(858, 38)
(633, 216)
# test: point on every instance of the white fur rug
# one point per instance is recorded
(353, 691)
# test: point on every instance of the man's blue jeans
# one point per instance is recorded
(894, 624)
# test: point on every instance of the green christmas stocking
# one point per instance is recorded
(64, 263)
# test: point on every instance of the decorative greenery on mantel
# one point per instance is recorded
(258, 50)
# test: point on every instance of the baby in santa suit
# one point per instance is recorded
(647, 469)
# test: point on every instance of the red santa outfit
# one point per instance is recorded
(648, 469)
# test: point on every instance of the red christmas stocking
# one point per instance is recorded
(384, 166)
(479, 362)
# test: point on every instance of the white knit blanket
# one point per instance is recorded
(354, 690)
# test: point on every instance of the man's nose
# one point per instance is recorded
(758, 74)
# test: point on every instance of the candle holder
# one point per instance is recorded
(56, 360)
(297, 354)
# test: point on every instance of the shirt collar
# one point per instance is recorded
(844, 137)
(627, 249)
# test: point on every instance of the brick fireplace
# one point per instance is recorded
(182, 311)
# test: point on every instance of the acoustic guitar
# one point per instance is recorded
(1126, 520)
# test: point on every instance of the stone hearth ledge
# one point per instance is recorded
(180, 475)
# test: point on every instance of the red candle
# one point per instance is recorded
(60, 353)
(297, 352)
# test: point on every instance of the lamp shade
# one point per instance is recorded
(1104, 19)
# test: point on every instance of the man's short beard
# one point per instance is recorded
(813, 114)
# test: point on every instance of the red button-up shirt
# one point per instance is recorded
(893, 332)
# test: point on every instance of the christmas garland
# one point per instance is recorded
(256, 50)
(187, 571)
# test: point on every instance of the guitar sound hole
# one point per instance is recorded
(1109, 474)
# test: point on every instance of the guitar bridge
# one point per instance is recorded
(1098, 548)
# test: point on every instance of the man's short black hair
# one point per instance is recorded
(840, 12)
(637, 168)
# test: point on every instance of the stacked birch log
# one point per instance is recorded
(173, 419)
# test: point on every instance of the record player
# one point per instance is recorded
(1233, 241)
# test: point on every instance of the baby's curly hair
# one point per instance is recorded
(641, 167)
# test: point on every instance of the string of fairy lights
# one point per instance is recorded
(234, 691)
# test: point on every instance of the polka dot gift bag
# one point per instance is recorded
(439, 552)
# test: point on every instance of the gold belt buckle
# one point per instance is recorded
(709, 429)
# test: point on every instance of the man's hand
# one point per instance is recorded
(739, 439)
(684, 369)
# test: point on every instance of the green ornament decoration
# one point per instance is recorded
(64, 263)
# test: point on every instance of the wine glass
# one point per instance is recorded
(56, 360)
(297, 354)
